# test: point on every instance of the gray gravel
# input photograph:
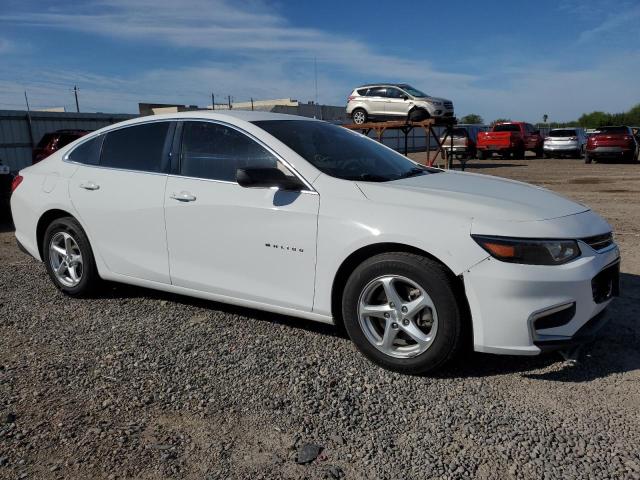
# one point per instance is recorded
(140, 384)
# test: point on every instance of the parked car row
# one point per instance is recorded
(513, 139)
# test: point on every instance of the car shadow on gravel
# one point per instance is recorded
(123, 291)
(618, 350)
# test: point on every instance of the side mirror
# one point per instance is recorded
(404, 97)
(266, 178)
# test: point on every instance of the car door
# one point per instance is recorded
(396, 104)
(118, 192)
(377, 100)
(256, 244)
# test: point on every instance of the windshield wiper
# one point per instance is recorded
(368, 177)
(413, 173)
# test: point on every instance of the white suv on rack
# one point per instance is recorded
(393, 101)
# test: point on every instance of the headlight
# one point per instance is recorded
(528, 250)
(437, 104)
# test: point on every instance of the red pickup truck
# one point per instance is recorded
(510, 139)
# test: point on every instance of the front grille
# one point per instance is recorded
(606, 284)
(448, 105)
(598, 242)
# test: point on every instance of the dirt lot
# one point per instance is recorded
(140, 384)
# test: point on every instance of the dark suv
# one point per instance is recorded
(50, 142)
(612, 143)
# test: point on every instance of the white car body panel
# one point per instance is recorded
(241, 242)
(123, 215)
(236, 244)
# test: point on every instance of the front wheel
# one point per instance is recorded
(68, 258)
(418, 115)
(587, 158)
(401, 312)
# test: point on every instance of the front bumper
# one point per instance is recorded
(507, 300)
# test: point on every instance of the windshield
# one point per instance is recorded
(342, 153)
(509, 127)
(413, 91)
(563, 133)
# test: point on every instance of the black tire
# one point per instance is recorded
(548, 155)
(360, 116)
(418, 115)
(519, 153)
(587, 158)
(539, 153)
(483, 155)
(89, 279)
(436, 281)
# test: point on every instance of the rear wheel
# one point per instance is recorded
(587, 158)
(482, 154)
(359, 116)
(519, 153)
(401, 312)
(68, 258)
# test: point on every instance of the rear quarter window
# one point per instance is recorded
(88, 152)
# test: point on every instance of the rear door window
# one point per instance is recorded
(377, 92)
(142, 147)
(88, 152)
(506, 128)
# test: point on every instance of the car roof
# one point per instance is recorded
(385, 84)
(230, 116)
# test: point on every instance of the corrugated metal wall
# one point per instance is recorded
(16, 141)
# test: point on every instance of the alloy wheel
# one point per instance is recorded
(65, 259)
(397, 316)
(359, 117)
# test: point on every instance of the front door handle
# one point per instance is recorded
(183, 197)
(89, 186)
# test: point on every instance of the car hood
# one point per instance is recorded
(473, 195)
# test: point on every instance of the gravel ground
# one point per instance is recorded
(140, 384)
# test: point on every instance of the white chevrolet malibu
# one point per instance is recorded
(304, 218)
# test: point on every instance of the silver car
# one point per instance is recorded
(395, 101)
(565, 141)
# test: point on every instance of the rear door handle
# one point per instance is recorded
(89, 186)
(183, 197)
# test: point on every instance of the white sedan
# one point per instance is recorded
(304, 218)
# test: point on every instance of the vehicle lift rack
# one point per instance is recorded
(406, 126)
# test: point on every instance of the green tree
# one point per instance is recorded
(472, 118)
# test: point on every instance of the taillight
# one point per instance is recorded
(17, 180)
(573, 138)
(350, 97)
(628, 138)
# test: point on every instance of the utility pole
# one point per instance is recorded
(229, 101)
(315, 76)
(213, 101)
(75, 92)
(252, 104)
(29, 123)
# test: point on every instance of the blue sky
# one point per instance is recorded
(496, 58)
